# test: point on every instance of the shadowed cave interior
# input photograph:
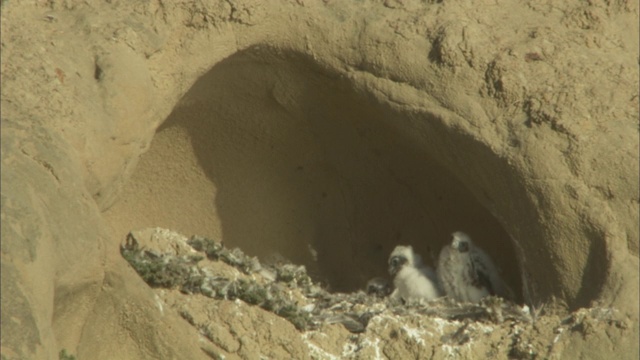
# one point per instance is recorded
(274, 155)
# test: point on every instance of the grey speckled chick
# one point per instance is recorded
(411, 278)
(466, 273)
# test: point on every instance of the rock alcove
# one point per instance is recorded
(347, 126)
(275, 155)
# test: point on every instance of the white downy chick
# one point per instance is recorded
(411, 278)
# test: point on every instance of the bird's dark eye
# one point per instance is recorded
(463, 247)
(397, 260)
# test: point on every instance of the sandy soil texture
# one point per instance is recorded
(324, 133)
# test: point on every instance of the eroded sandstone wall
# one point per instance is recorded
(330, 124)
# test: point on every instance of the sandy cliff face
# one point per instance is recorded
(326, 132)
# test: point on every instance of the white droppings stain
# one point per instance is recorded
(386, 318)
(317, 352)
(375, 345)
(454, 351)
(308, 308)
(349, 349)
(557, 337)
(450, 351)
(442, 323)
(159, 304)
(484, 328)
(414, 334)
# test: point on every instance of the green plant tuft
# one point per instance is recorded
(62, 355)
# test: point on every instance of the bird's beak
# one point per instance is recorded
(393, 270)
(394, 265)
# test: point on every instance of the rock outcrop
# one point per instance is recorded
(326, 132)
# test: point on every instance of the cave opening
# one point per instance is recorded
(273, 154)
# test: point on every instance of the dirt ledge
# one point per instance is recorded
(524, 113)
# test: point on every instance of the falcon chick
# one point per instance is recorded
(466, 273)
(412, 279)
